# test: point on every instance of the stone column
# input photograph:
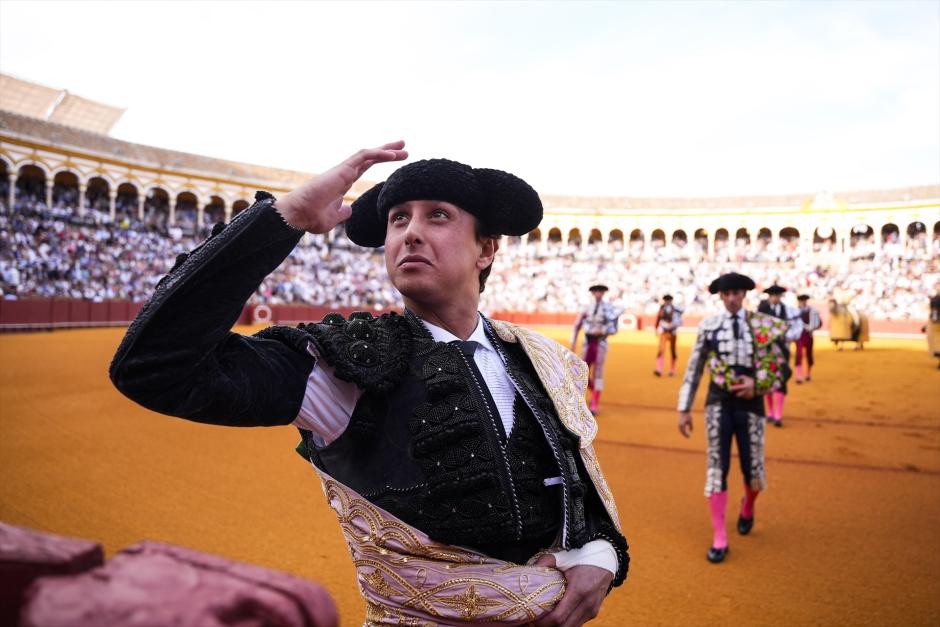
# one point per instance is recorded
(200, 215)
(172, 205)
(112, 203)
(11, 191)
(82, 188)
(228, 214)
(49, 185)
(141, 199)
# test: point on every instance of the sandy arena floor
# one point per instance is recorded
(847, 534)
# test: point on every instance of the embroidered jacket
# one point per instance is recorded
(755, 352)
(668, 318)
(599, 319)
(811, 320)
(179, 358)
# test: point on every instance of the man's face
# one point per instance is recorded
(598, 295)
(774, 298)
(432, 250)
(732, 299)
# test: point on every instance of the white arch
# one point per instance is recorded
(126, 181)
(106, 176)
(63, 169)
(38, 163)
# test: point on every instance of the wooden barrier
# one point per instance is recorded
(63, 313)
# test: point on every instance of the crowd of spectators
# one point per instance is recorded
(892, 284)
(60, 252)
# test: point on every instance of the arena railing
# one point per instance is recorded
(37, 314)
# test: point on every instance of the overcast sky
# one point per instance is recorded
(632, 98)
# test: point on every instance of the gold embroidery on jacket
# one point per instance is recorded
(564, 376)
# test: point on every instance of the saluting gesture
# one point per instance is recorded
(317, 205)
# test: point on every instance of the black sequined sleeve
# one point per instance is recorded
(179, 356)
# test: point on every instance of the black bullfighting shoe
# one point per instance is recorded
(745, 525)
(716, 556)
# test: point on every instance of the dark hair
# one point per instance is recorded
(480, 233)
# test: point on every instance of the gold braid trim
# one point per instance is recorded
(564, 376)
(408, 579)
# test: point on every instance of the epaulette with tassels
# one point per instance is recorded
(371, 352)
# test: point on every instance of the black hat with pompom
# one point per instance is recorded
(731, 281)
(504, 204)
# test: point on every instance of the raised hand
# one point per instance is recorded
(317, 205)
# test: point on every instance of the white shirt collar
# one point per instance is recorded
(731, 316)
(442, 335)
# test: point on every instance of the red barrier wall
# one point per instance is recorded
(55, 313)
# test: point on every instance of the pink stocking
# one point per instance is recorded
(659, 364)
(769, 401)
(747, 503)
(799, 372)
(718, 502)
(779, 404)
(595, 400)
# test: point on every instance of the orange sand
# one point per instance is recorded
(847, 534)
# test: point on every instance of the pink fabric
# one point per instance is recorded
(718, 502)
(747, 503)
(769, 402)
(590, 351)
(151, 584)
(595, 400)
(27, 555)
(804, 345)
(799, 372)
(660, 364)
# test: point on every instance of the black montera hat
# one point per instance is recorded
(667, 297)
(803, 297)
(600, 287)
(504, 204)
(775, 289)
(731, 281)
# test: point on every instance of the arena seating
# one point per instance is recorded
(51, 252)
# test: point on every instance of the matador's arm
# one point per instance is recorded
(179, 356)
(693, 372)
